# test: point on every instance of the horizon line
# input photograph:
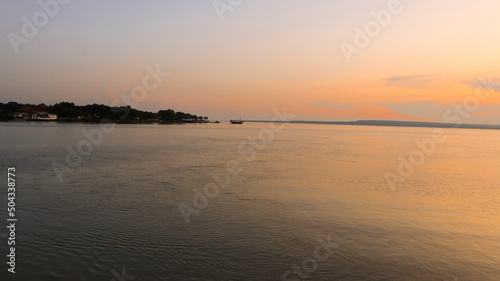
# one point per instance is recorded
(389, 123)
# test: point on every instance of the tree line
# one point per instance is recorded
(96, 112)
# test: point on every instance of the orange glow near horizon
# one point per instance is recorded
(261, 57)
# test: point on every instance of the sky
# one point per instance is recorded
(332, 60)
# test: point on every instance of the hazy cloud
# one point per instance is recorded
(410, 82)
(493, 84)
(335, 106)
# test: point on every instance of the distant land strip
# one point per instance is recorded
(391, 124)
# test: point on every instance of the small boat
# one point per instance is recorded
(237, 121)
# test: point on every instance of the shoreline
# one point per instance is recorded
(378, 123)
(95, 121)
(383, 123)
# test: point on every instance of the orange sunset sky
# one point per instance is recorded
(244, 59)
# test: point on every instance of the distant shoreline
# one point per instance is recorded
(390, 124)
(351, 123)
(98, 121)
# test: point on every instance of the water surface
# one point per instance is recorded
(119, 208)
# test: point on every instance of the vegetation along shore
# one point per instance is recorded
(92, 113)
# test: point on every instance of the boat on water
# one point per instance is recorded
(237, 121)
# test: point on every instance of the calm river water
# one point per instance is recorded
(309, 203)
